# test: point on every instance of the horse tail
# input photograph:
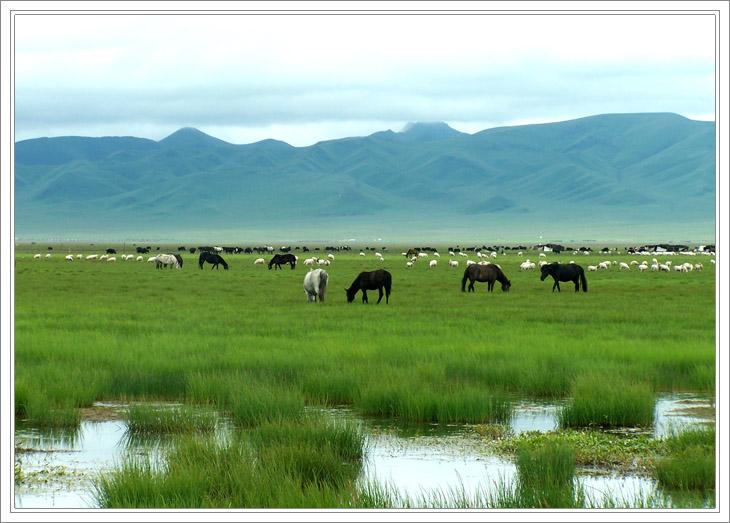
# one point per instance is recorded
(463, 280)
(583, 280)
(322, 285)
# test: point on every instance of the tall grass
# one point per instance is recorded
(165, 419)
(245, 340)
(307, 463)
(690, 463)
(608, 400)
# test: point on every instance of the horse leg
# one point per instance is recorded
(577, 285)
(556, 285)
(380, 294)
(364, 296)
(471, 285)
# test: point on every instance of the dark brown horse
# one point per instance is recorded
(279, 259)
(484, 273)
(570, 272)
(369, 281)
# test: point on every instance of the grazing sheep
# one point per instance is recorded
(663, 267)
(451, 253)
(655, 267)
(642, 268)
(79, 256)
(70, 257)
(698, 266)
(623, 265)
(152, 259)
(112, 259)
(453, 263)
(139, 258)
(542, 255)
(362, 254)
(92, 257)
(437, 254)
(48, 255)
(261, 261)
(308, 261)
(592, 268)
(470, 262)
(603, 265)
(409, 264)
(331, 256)
(37, 257)
(432, 263)
(634, 262)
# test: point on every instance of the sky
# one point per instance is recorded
(307, 77)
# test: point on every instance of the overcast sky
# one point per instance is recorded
(303, 78)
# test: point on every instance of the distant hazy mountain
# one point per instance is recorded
(593, 172)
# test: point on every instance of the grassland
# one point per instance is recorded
(87, 331)
(246, 342)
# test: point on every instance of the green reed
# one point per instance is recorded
(165, 419)
(607, 400)
(434, 353)
(690, 461)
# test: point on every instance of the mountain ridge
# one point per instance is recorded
(641, 165)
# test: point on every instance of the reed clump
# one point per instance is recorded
(600, 400)
(690, 461)
(312, 462)
(546, 476)
(165, 419)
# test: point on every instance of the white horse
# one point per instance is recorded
(166, 259)
(315, 284)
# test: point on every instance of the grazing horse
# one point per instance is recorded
(484, 273)
(166, 259)
(179, 260)
(559, 272)
(211, 258)
(411, 252)
(368, 281)
(315, 284)
(280, 259)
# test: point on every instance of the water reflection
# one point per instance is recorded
(58, 467)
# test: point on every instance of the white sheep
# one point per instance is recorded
(453, 263)
(432, 263)
(623, 265)
(260, 261)
(70, 257)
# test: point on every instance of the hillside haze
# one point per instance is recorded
(601, 177)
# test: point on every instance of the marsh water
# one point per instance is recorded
(58, 469)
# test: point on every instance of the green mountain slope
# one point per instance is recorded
(650, 168)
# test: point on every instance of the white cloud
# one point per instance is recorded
(331, 75)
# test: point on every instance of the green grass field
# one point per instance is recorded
(246, 341)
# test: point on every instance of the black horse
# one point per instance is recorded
(569, 272)
(488, 273)
(369, 281)
(211, 258)
(280, 259)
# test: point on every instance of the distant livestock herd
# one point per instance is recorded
(316, 280)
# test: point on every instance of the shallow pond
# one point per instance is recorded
(57, 469)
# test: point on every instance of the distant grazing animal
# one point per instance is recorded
(213, 259)
(570, 272)
(623, 265)
(92, 257)
(259, 261)
(484, 273)
(280, 259)
(179, 260)
(315, 284)
(432, 263)
(368, 281)
(113, 258)
(152, 259)
(453, 263)
(70, 257)
(37, 257)
(166, 259)
(139, 258)
(48, 255)
(411, 252)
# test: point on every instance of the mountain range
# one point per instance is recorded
(604, 175)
